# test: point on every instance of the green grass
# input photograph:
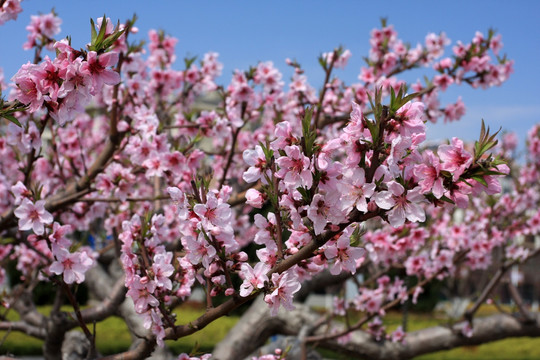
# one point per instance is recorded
(113, 337)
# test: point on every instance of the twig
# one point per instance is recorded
(514, 293)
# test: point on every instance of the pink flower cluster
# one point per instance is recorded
(33, 216)
(64, 85)
(42, 30)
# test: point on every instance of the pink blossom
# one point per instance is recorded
(257, 162)
(355, 127)
(411, 117)
(356, 191)
(254, 278)
(33, 216)
(58, 235)
(29, 90)
(398, 336)
(152, 320)
(443, 81)
(215, 213)
(294, 168)
(9, 10)
(455, 158)
(141, 290)
(20, 192)
(324, 209)
(286, 285)
(429, 175)
(401, 204)
(346, 257)
(454, 111)
(467, 330)
(163, 269)
(199, 250)
(73, 266)
(96, 67)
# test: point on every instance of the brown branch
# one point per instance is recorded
(108, 306)
(129, 199)
(429, 340)
(494, 281)
(485, 293)
(21, 326)
(91, 338)
(232, 152)
(458, 258)
(279, 223)
(514, 293)
(328, 72)
(142, 350)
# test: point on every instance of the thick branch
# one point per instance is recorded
(492, 328)
(320, 281)
(23, 327)
(142, 350)
(112, 296)
(258, 323)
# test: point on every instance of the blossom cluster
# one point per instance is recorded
(51, 239)
(272, 186)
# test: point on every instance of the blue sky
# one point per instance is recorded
(245, 32)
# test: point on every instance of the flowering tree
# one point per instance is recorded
(114, 176)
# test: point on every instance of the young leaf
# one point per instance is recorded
(12, 119)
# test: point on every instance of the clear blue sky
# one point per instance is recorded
(245, 32)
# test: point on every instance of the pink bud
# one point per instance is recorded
(241, 256)
(229, 291)
(254, 198)
(372, 206)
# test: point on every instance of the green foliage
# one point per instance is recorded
(486, 142)
(308, 134)
(100, 42)
(8, 109)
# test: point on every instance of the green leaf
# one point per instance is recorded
(481, 180)
(447, 199)
(408, 98)
(12, 118)
(268, 153)
(373, 129)
(309, 135)
(188, 61)
(305, 194)
(392, 98)
(102, 31)
(93, 32)
(111, 40)
(322, 62)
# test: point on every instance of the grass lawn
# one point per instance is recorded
(113, 337)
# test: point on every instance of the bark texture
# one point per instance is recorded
(485, 330)
(256, 326)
